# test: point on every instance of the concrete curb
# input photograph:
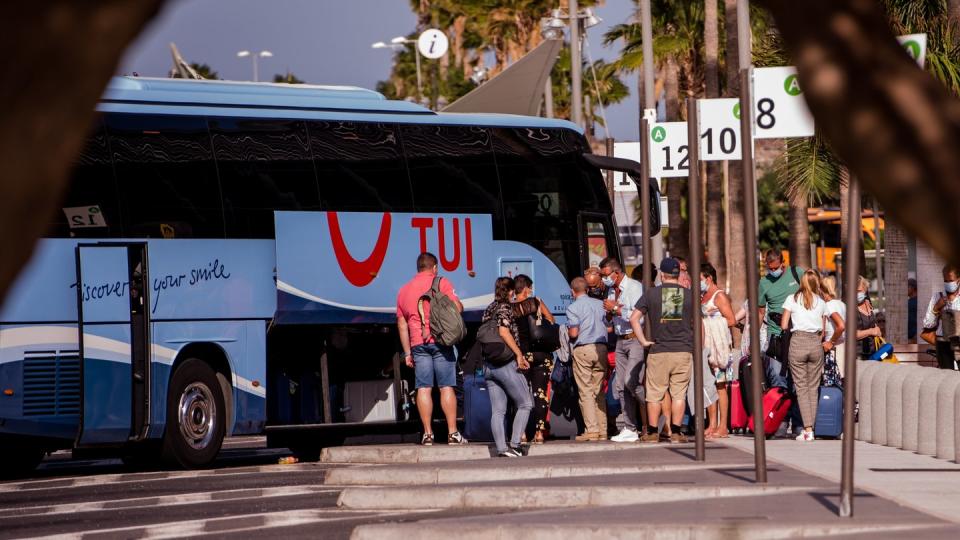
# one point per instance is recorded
(538, 497)
(442, 452)
(540, 531)
(388, 476)
(911, 407)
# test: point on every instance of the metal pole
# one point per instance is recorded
(694, 209)
(744, 35)
(753, 274)
(548, 97)
(608, 145)
(256, 76)
(851, 272)
(576, 97)
(877, 257)
(416, 52)
(645, 225)
(646, 34)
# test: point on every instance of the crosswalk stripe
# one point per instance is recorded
(169, 500)
(232, 524)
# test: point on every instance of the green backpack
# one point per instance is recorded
(446, 322)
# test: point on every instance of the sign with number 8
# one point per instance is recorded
(779, 108)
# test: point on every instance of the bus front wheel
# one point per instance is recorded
(196, 416)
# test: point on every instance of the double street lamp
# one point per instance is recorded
(397, 43)
(254, 56)
(579, 21)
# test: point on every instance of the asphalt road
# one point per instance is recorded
(245, 491)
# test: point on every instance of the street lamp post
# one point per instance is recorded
(579, 22)
(254, 56)
(401, 41)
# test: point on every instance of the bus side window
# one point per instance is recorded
(452, 169)
(166, 176)
(91, 197)
(359, 166)
(264, 165)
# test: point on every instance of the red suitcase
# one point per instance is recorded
(776, 405)
(738, 415)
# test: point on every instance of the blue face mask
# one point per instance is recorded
(861, 297)
(608, 281)
(776, 273)
(951, 287)
(703, 286)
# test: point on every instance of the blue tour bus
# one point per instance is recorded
(227, 259)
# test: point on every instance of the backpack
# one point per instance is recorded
(492, 346)
(446, 322)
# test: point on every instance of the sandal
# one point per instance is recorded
(538, 437)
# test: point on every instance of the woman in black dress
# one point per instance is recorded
(541, 364)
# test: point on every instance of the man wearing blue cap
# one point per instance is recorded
(669, 308)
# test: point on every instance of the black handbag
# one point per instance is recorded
(544, 335)
(495, 352)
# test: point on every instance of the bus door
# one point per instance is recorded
(114, 326)
(597, 240)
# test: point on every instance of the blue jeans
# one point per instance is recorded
(502, 383)
(434, 362)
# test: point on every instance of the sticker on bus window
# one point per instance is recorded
(85, 217)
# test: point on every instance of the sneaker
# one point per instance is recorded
(427, 439)
(805, 436)
(650, 438)
(509, 452)
(677, 438)
(456, 438)
(626, 435)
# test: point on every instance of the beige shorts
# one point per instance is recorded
(668, 371)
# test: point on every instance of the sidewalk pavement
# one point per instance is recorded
(921, 482)
(635, 492)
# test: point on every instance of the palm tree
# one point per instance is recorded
(737, 258)
(714, 219)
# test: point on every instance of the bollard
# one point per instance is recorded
(911, 403)
(878, 403)
(895, 403)
(946, 421)
(865, 373)
(926, 418)
(956, 432)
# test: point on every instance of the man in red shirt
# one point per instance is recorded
(431, 361)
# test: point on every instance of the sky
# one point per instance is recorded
(321, 41)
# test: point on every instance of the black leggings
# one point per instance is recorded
(538, 376)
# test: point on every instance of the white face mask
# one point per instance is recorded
(951, 287)
(703, 286)
(608, 280)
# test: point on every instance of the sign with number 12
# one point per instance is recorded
(668, 150)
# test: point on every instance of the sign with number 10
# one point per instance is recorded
(719, 129)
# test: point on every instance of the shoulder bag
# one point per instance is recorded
(544, 335)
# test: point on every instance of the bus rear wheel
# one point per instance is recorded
(196, 416)
(20, 461)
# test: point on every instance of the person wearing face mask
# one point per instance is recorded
(867, 327)
(541, 363)
(779, 283)
(948, 300)
(595, 287)
(624, 292)
(718, 318)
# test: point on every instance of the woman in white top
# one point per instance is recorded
(717, 321)
(807, 312)
(833, 337)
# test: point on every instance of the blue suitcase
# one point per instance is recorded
(476, 408)
(829, 422)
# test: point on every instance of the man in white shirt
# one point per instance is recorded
(624, 292)
(947, 300)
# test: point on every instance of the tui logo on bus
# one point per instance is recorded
(451, 252)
